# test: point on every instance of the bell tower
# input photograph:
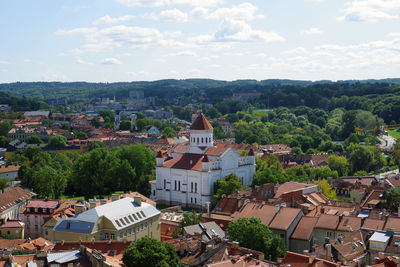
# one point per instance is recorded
(201, 135)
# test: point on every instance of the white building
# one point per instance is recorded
(188, 178)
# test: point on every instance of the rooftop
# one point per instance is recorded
(284, 218)
(304, 228)
(14, 196)
(289, 187)
(327, 221)
(201, 123)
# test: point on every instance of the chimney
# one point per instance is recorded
(138, 200)
(311, 259)
(341, 217)
(160, 159)
(181, 248)
(79, 208)
(277, 208)
(328, 254)
(208, 208)
(115, 197)
(103, 201)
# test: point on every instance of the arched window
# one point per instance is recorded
(198, 139)
(202, 140)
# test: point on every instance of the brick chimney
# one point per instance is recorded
(138, 200)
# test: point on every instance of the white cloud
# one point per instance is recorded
(83, 62)
(159, 3)
(182, 53)
(168, 15)
(394, 34)
(2, 62)
(240, 31)
(111, 61)
(370, 10)
(243, 11)
(297, 50)
(116, 36)
(311, 31)
(109, 20)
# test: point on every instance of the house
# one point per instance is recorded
(289, 188)
(302, 237)
(34, 213)
(12, 202)
(38, 113)
(204, 230)
(152, 130)
(9, 172)
(12, 230)
(349, 249)
(325, 228)
(188, 179)
(123, 219)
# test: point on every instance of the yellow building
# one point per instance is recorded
(124, 219)
(12, 230)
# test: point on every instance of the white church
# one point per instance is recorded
(187, 176)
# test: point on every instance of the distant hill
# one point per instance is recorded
(171, 88)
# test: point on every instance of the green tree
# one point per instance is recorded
(5, 127)
(3, 184)
(125, 125)
(393, 198)
(34, 139)
(96, 144)
(227, 186)
(326, 189)
(169, 132)
(360, 159)
(253, 234)
(150, 252)
(339, 164)
(57, 141)
(4, 141)
(189, 219)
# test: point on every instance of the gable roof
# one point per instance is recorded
(201, 123)
(393, 223)
(304, 228)
(349, 224)
(284, 218)
(327, 221)
(14, 196)
(187, 161)
(264, 212)
(291, 186)
(373, 224)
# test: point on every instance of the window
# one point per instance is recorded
(44, 210)
(36, 209)
(191, 200)
(376, 245)
(198, 140)
(209, 139)
(112, 236)
(129, 232)
(145, 225)
(329, 234)
(165, 184)
(151, 222)
(179, 186)
(202, 140)
(282, 235)
(120, 235)
(125, 233)
(191, 187)
(138, 229)
(175, 185)
(28, 209)
(195, 187)
(195, 200)
(141, 227)
(154, 192)
(51, 210)
(106, 236)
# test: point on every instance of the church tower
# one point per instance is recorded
(201, 135)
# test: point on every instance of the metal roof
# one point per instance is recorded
(380, 237)
(122, 213)
(64, 257)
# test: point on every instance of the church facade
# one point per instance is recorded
(187, 176)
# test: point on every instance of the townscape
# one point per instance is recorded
(200, 133)
(92, 184)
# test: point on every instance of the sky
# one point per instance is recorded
(136, 40)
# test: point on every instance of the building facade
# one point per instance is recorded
(188, 178)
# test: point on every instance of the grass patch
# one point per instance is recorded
(394, 133)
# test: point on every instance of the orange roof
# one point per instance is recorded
(305, 228)
(13, 197)
(373, 224)
(187, 161)
(289, 187)
(9, 168)
(349, 224)
(284, 218)
(300, 260)
(144, 198)
(201, 123)
(327, 221)
(394, 223)
(264, 212)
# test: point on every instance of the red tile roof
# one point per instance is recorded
(284, 218)
(289, 187)
(187, 161)
(299, 260)
(201, 123)
(373, 224)
(327, 221)
(14, 196)
(9, 168)
(48, 204)
(348, 224)
(264, 212)
(304, 228)
(12, 225)
(394, 223)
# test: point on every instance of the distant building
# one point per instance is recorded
(12, 230)
(136, 94)
(9, 172)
